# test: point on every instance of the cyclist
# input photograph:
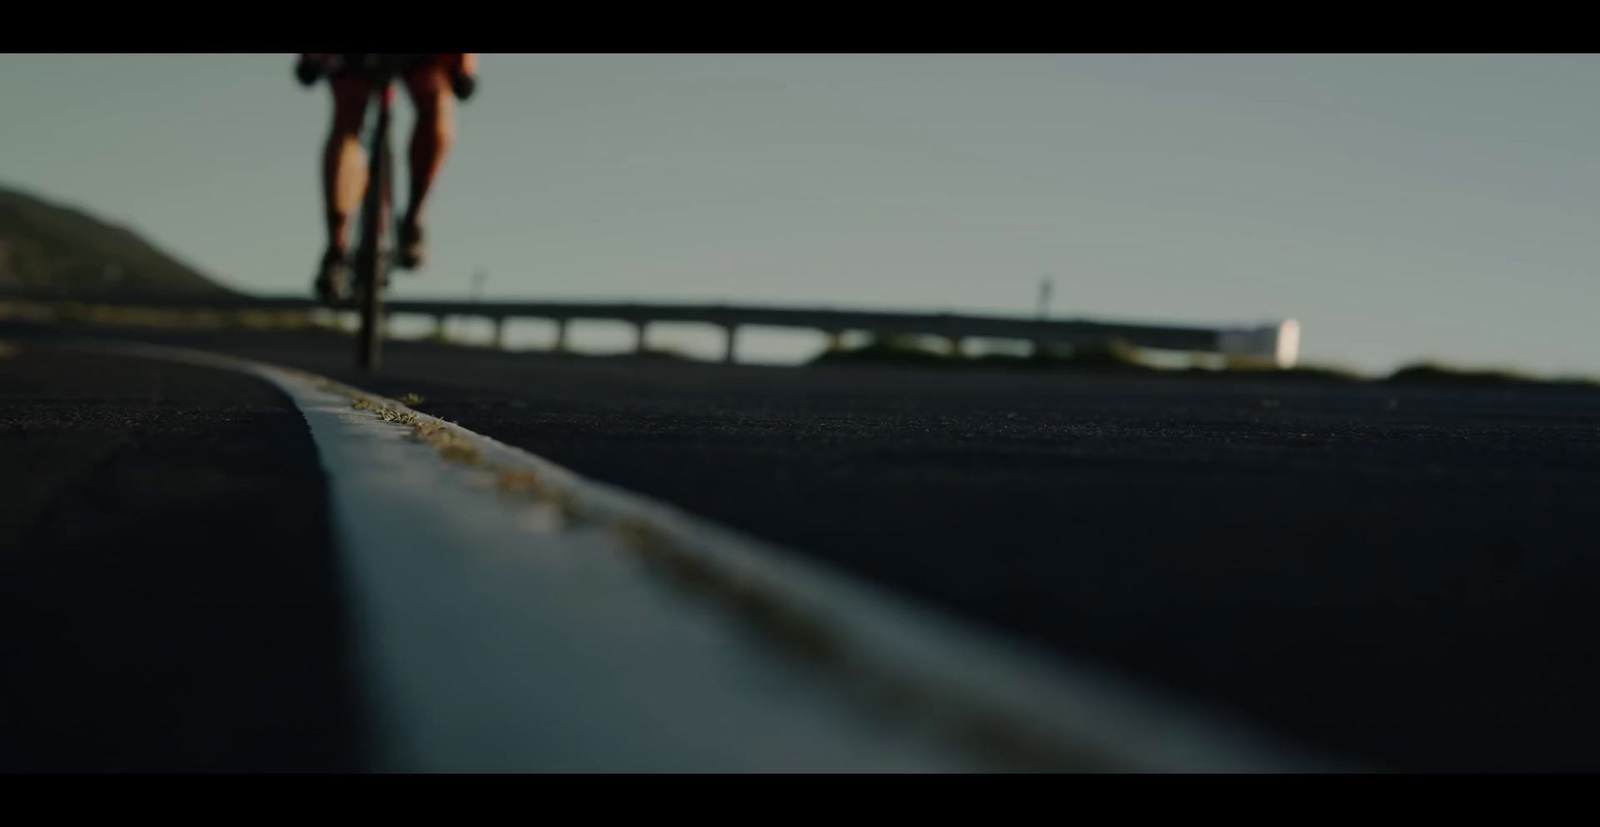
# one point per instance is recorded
(431, 81)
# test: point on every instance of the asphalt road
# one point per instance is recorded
(1405, 577)
(170, 600)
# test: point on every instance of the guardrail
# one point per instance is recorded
(1276, 343)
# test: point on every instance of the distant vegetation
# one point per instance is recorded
(914, 350)
(1116, 359)
(47, 248)
(1427, 373)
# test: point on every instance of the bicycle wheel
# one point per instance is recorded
(372, 260)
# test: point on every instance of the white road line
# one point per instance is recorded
(514, 616)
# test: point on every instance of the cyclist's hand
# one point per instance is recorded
(310, 68)
(463, 74)
(463, 84)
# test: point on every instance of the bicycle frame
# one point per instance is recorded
(372, 256)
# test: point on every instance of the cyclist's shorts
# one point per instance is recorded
(352, 64)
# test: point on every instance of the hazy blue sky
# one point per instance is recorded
(1398, 206)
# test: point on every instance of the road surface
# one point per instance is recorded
(1403, 576)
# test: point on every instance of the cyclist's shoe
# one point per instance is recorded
(412, 251)
(333, 278)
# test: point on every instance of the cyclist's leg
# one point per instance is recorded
(344, 165)
(428, 84)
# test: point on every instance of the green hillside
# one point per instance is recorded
(48, 248)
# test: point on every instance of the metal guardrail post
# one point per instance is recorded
(561, 336)
(640, 332)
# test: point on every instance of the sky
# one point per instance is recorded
(1400, 207)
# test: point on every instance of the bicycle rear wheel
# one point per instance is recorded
(372, 258)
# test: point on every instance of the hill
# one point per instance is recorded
(48, 248)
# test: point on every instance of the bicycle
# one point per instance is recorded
(373, 261)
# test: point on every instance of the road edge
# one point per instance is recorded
(1007, 705)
